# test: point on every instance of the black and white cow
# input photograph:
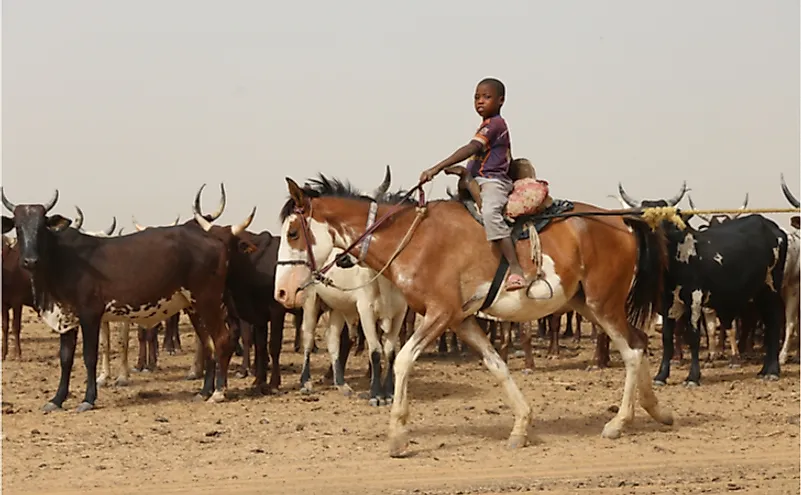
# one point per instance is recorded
(723, 268)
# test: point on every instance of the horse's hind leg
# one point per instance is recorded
(471, 333)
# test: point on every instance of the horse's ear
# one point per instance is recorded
(296, 193)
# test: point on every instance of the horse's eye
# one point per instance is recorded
(292, 234)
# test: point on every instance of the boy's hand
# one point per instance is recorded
(428, 174)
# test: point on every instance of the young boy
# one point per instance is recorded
(490, 153)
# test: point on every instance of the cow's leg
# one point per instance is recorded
(442, 346)
(601, 358)
(525, 343)
(771, 308)
(204, 362)
(6, 310)
(506, 339)
(568, 324)
(105, 357)
(542, 327)
(367, 319)
(198, 367)
(554, 322)
(345, 345)
(124, 378)
(246, 335)
(141, 337)
(16, 326)
(791, 313)
(693, 334)
(66, 354)
(577, 333)
(391, 347)
(260, 339)
(276, 341)
(90, 332)
(668, 328)
(725, 327)
(152, 339)
(223, 350)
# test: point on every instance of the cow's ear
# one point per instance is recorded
(8, 224)
(57, 223)
(794, 221)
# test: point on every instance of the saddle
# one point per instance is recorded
(523, 227)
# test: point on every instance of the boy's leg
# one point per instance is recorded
(494, 196)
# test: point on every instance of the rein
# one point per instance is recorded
(363, 239)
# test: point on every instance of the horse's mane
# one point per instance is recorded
(322, 186)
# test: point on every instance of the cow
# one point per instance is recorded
(17, 293)
(792, 272)
(722, 268)
(80, 281)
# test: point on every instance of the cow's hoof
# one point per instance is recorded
(122, 381)
(50, 407)
(659, 383)
(345, 390)
(83, 407)
(192, 375)
(102, 380)
(386, 401)
(199, 398)
(691, 384)
(217, 397)
(770, 377)
(398, 445)
(306, 389)
(517, 442)
(374, 401)
(611, 430)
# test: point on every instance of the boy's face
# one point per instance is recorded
(487, 101)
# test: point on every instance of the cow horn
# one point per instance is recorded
(787, 194)
(177, 219)
(138, 227)
(705, 218)
(113, 226)
(202, 221)
(50, 204)
(384, 187)
(743, 207)
(78, 222)
(630, 202)
(238, 229)
(675, 199)
(121, 230)
(8, 204)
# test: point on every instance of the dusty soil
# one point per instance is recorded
(734, 433)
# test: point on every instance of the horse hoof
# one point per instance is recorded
(346, 390)
(611, 431)
(217, 397)
(659, 383)
(50, 407)
(102, 381)
(306, 389)
(770, 377)
(199, 398)
(517, 442)
(122, 382)
(83, 407)
(398, 446)
(691, 384)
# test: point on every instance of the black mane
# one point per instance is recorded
(322, 186)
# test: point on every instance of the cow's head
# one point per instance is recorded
(629, 202)
(714, 220)
(794, 221)
(35, 229)
(77, 223)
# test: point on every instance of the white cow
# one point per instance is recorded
(792, 273)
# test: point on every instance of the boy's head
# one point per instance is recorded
(489, 97)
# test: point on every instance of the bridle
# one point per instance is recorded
(318, 275)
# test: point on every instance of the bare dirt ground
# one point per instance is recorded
(734, 433)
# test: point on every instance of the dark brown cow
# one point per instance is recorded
(80, 280)
(17, 292)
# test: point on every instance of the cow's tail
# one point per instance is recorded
(645, 296)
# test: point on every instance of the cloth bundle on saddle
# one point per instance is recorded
(528, 201)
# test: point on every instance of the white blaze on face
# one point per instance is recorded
(289, 277)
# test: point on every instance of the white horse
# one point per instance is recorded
(367, 297)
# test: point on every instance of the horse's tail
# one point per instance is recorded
(645, 296)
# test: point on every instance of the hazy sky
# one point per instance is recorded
(129, 106)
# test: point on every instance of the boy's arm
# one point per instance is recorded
(459, 156)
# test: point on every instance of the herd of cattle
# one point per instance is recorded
(223, 279)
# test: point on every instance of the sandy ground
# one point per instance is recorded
(734, 433)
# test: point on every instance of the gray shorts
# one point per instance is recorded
(494, 196)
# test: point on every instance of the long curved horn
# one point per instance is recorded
(50, 204)
(214, 216)
(177, 219)
(78, 222)
(786, 190)
(110, 230)
(202, 221)
(630, 202)
(384, 187)
(138, 227)
(743, 207)
(675, 199)
(238, 229)
(8, 204)
(705, 218)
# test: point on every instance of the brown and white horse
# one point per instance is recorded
(607, 268)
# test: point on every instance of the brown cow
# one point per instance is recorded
(80, 280)
(17, 293)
